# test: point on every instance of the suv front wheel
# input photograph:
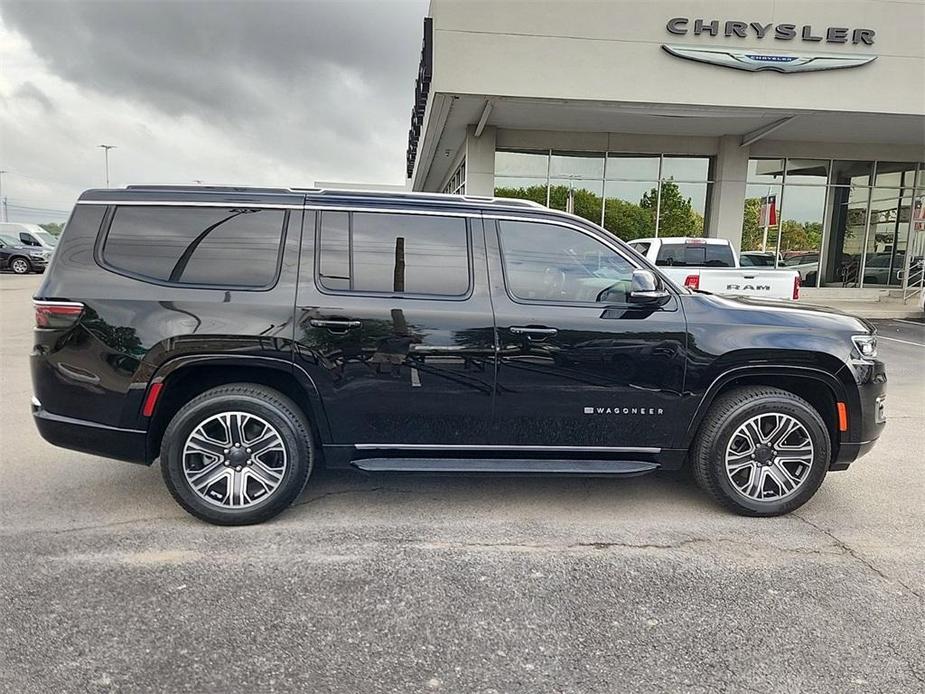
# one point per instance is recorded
(20, 266)
(761, 451)
(237, 454)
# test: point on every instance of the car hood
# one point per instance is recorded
(756, 311)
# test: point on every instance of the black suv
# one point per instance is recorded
(245, 336)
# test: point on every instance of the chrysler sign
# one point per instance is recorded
(754, 59)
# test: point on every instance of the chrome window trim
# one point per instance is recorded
(462, 447)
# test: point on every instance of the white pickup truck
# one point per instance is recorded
(711, 265)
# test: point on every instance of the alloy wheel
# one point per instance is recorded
(20, 266)
(234, 460)
(768, 458)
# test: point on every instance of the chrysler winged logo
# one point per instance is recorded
(756, 60)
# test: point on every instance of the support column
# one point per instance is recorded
(480, 161)
(727, 200)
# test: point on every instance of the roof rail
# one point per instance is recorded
(420, 195)
(203, 186)
(336, 192)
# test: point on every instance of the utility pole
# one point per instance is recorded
(106, 149)
(2, 199)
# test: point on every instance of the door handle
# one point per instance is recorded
(335, 324)
(527, 330)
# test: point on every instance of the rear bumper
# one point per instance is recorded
(90, 437)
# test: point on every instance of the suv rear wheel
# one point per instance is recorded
(761, 451)
(237, 454)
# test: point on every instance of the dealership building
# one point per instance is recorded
(795, 127)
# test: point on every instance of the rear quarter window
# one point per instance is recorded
(209, 246)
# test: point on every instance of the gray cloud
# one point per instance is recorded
(27, 90)
(324, 87)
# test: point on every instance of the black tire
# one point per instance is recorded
(20, 265)
(729, 412)
(263, 402)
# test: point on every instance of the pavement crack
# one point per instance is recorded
(82, 528)
(854, 554)
(343, 492)
(909, 666)
(338, 492)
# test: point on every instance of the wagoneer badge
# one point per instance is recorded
(625, 410)
(755, 61)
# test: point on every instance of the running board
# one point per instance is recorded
(507, 465)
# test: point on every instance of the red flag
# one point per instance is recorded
(769, 211)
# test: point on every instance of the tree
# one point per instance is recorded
(53, 228)
(627, 220)
(676, 214)
(751, 229)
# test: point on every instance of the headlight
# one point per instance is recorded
(37, 254)
(866, 345)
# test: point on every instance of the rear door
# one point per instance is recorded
(579, 368)
(394, 325)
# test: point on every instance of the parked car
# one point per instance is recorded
(807, 264)
(711, 265)
(884, 268)
(30, 235)
(20, 258)
(245, 337)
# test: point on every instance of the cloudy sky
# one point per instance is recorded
(265, 93)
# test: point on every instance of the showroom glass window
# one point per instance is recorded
(372, 252)
(211, 246)
(837, 222)
(631, 195)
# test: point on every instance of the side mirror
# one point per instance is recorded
(647, 290)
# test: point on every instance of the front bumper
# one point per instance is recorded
(866, 417)
(90, 437)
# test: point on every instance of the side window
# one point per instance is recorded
(223, 246)
(746, 261)
(546, 262)
(393, 253)
(641, 247)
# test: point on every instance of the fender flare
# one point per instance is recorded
(300, 375)
(831, 381)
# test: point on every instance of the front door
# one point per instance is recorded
(394, 325)
(578, 366)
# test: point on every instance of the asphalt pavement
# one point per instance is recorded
(458, 584)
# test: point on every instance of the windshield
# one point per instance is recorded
(45, 237)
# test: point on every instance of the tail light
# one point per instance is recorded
(57, 314)
(692, 282)
(796, 287)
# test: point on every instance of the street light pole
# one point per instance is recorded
(106, 149)
(2, 202)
